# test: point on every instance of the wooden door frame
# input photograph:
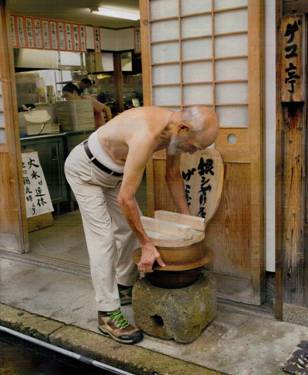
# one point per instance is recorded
(287, 307)
(16, 217)
(278, 178)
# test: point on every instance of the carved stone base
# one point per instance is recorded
(179, 314)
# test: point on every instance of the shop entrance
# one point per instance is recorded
(48, 129)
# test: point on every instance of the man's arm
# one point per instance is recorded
(139, 152)
(175, 183)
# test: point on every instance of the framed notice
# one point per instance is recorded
(36, 192)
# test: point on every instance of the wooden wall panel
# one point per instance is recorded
(163, 200)
(6, 198)
(13, 225)
(9, 219)
(293, 213)
(229, 232)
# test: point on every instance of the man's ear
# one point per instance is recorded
(183, 129)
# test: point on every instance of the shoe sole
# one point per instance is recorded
(109, 334)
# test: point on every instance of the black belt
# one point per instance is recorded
(97, 163)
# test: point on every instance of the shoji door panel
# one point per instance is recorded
(208, 52)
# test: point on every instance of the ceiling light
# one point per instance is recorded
(117, 12)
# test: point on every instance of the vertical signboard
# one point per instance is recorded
(291, 59)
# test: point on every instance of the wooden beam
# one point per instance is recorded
(293, 204)
(146, 61)
(118, 77)
(13, 223)
(146, 51)
(255, 114)
(278, 179)
(293, 157)
(306, 192)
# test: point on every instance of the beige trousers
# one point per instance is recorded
(110, 240)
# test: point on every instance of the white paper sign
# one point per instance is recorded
(37, 196)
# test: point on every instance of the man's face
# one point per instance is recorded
(179, 144)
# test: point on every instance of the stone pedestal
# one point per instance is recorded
(179, 314)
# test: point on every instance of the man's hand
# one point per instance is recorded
(149, 256)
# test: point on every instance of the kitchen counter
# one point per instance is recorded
(61, 134)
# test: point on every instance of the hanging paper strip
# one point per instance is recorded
(76, 38)
(102, 37)
(69, 37)
(21, 32)
(97, 39)
(83, 46)
(54, 34)
(46, 36)
(29, 32)
(61, 36)
(38, 34)
(13, 32)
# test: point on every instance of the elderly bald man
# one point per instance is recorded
(104, 173)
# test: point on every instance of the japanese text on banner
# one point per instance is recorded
(37, 196)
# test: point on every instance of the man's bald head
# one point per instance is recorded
(203, 123)
(195, 129)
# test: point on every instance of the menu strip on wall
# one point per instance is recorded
(50, 34)
(42, 33)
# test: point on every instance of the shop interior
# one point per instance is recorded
(50, 126)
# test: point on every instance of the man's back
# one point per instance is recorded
(144, 123)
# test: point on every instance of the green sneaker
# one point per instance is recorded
(113, 324)
(125, 293)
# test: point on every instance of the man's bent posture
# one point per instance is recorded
(104, 173)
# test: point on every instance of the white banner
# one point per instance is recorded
(37, 195)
